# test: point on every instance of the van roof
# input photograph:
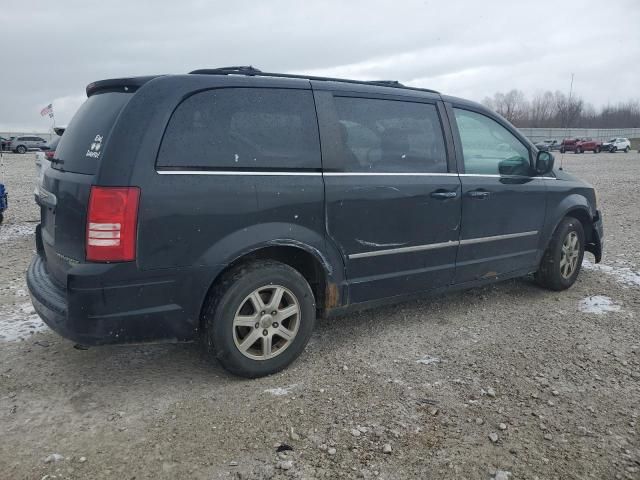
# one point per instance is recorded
(131, 84)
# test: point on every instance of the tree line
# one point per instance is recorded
(557, 110)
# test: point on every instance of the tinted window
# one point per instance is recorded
(489, 148)
(79, 147)
(255, 128)
(388, 136)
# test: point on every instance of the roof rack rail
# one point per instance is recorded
(254, 72)
(240, 70)
(388, 83)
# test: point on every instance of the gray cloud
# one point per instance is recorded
(470, 49)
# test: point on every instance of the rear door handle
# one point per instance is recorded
(479, 194)
(444, 195)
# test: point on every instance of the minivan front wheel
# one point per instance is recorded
(561, 262)
(259, 318)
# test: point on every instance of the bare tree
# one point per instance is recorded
(513, 105)
(548, 109)
(542, 109)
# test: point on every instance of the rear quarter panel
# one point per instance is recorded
(205, 221)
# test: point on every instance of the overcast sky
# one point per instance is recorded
(52, 50)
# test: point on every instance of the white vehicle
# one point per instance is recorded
(616, 144)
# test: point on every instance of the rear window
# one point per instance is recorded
(80, 148)
(243, 128)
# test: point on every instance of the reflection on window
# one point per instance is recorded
(489, 148)
(390, 136)
(243, 128)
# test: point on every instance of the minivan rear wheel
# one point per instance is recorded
(561, 262)
(21, 149)
(259, 318)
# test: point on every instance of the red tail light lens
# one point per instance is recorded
(112, 221)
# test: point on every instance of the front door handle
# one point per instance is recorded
(479, 194)
(444, 195)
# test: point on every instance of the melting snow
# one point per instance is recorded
(280, 391)
(428, 360)
(598, 304)
(624, 275)
(18, 322)
(11, 231)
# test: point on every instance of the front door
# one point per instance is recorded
(392, 202)
(503, 202)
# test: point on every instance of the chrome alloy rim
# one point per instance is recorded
(266, 322)
(570, 254)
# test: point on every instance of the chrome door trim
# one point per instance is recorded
(471, 241)
(433, 246)
(392, 251)
(247, 173)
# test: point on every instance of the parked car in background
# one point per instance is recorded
(580, 145)
(25, 143)
(617, 144)
(246, 244)
(568, 145)
(4, 143)
(548, 145)
(50, 148)
(588, 145)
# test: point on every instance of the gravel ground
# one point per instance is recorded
(505, 382)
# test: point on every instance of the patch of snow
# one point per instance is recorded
(428, 360)
(53, 458)
(598, 304)
(18, 322)
(12, 231)
(623, 275)
(280, 391)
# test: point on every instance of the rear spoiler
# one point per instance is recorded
(128, 85)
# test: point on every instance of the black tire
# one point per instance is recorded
(597, 150)
(562, 150)
(21, 149)
(231, 292)
(613, 149)
(578, 150)
(626, 150)
(549, 274)
(1, 218)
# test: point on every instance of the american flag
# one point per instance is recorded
(48, 110)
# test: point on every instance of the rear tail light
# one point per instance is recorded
(112, 220)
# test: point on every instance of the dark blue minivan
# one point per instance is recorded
(238, 206)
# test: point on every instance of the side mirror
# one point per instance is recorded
(544, 163)
(515, 166)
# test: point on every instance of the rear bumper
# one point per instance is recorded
(137, 309)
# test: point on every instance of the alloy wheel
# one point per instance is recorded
(570, 255)
(266, 322)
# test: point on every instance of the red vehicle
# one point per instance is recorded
(580, 145)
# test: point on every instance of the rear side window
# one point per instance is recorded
(388, 136)
(243, 128)
(80, 148)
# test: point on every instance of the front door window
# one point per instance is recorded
(488, 148)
